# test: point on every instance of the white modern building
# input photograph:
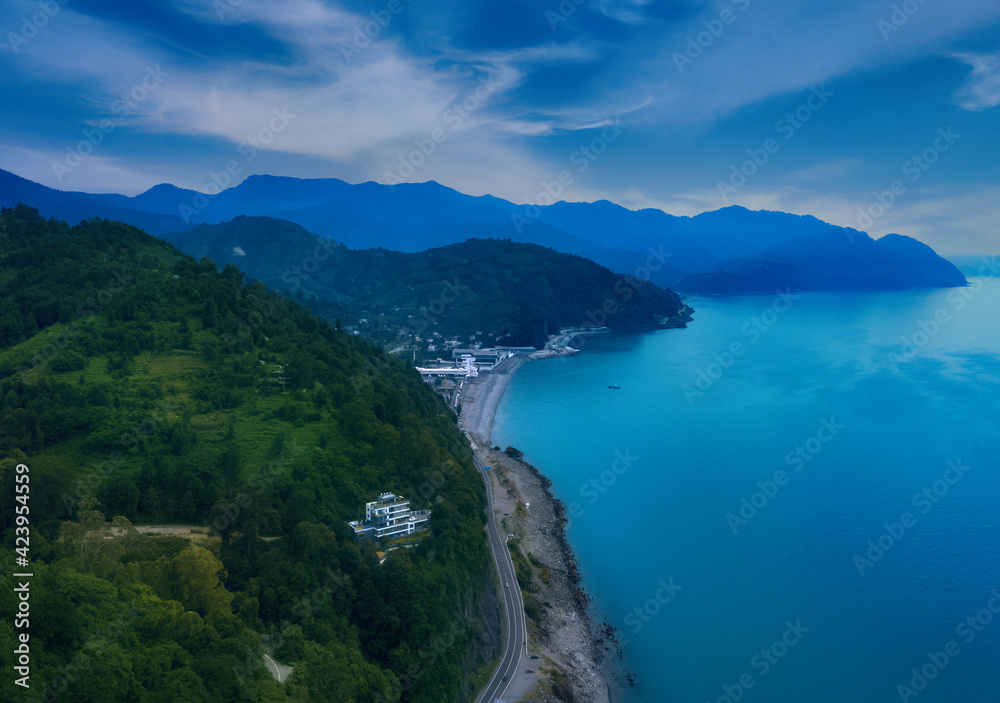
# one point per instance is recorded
(390, 516)
(467, 369)
(484, 359)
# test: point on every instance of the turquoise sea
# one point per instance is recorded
(788, 501)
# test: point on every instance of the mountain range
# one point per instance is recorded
(727, 251)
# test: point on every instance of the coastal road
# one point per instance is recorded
(514, 648)
(273, 665)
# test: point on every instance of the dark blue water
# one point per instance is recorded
(830, 416)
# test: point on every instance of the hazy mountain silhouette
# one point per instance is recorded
(727, 251)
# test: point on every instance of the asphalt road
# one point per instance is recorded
(514, 648)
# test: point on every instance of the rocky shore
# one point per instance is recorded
(573, 653)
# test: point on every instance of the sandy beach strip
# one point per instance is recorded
(481, 397)
(573, 651)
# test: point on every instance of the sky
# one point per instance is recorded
(884, 116)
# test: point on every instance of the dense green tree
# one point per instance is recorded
(273, 434)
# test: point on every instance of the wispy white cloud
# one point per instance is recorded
(473, 164)
(954, 222)
(344, 106)
(356, 113)
(626, 11)
(780, 48)
(77, 49)
(96, 173)
(950, 221)
(982, 89)
(526, 128)
(829, 170)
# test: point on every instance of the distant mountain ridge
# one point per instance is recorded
(74, 207)
(985, 265)
(727, 251)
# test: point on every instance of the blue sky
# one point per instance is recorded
(880, 115)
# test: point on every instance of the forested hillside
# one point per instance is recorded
(142, 386)
(510, 292)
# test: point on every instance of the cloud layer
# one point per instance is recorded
(498, 98)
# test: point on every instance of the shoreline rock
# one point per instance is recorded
(575, 652)
(579, 652)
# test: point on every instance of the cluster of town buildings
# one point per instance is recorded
(470, 362)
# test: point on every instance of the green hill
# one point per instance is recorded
(509, 292)
(142, 386)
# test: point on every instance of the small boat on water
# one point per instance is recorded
(615, 388)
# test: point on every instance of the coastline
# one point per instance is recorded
(481, 397)
(573, 651)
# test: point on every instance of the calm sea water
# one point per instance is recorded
(790, 500)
